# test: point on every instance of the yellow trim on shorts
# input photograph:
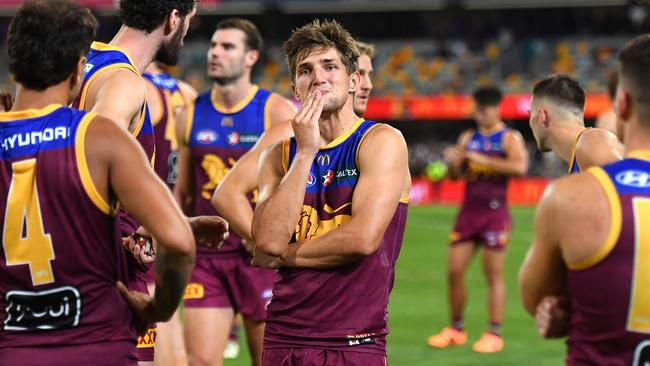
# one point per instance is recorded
(238, 107)
(286, 146)
(574, 148)
(615, 223)
(148, 340)
(639, 154)
(28, 113)
(267, 113)
(344, 136)
(82, 167)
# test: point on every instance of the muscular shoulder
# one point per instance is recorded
(598, 147)
(383, 133)
(281, 109)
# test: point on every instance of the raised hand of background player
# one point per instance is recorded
(552, 317)
(305, 124)
(142, 305)
(6, 101)
(209, 231)
(453, 155)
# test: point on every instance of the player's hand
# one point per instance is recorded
(140, 245)
(305, 123)
(552, 317)
(476, 157)
(6, 101)
(142, 305)
(453, 155)
(209, 231)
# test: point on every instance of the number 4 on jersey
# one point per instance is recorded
(24, 240)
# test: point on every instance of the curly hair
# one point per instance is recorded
(321, 34)
(147, 15)
(45, 40)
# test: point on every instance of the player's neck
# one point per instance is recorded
(491, 129)
(153, 69)
(39, 99)
(140, 47)
(232, 94)
(637, 137)
(335, 124)
(563, 138)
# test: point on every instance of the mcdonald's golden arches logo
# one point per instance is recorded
(324, 159)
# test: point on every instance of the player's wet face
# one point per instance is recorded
(226, 55)
(362, 95)
(323, 70)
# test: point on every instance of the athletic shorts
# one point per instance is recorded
(484, 226)
(230, 282)
(94, 354)
(319, 357)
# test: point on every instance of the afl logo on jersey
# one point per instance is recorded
(633, 178)
(311, 180)
(206, 136)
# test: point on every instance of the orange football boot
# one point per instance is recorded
(489, 343)
(447, 337)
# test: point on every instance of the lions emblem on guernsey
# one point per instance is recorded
(215, 169)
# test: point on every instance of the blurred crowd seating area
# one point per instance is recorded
(426, 67)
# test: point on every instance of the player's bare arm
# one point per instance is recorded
(455, 155)
(230, 198)
(281, 196)
(119, 94)
(382, 182)
(598, 147)
(184, 188)
(154, 103)
(146, 197)
(281, 109)
(514, 163)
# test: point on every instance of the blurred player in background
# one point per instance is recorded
(607, 119)
(62, 256)
(557, 122)
(486, 157)
(167, 100)
(224, 123)
(591, 242)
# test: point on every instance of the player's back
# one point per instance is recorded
(217, 137)
(170, 99)
(486, 187)
(61, 255)
(610, 291)
(343, 308)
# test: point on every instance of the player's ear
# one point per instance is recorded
(355, 81)
(622, 104)
(544, 119)
(251, 57)
(294, 91)
(172, 22)
(78, 72)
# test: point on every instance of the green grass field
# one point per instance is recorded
(418, 305)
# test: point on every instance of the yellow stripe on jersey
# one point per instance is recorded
(404, 200)
(286, 145)
(28, 113)
(82, 167)
(238, 107)
(267, 113)
(138, 126)
(572, 160)
(84, 91)
(358, 147)
(615, 221)
(638, 318)
(101, 46)
(639, 154)
(344, 136)
(189, 121)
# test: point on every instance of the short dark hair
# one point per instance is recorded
(45, 40)
(321, 34)
(561, 89)
(488, 96)
(253, 37)
(147, 15)
(635, 73)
